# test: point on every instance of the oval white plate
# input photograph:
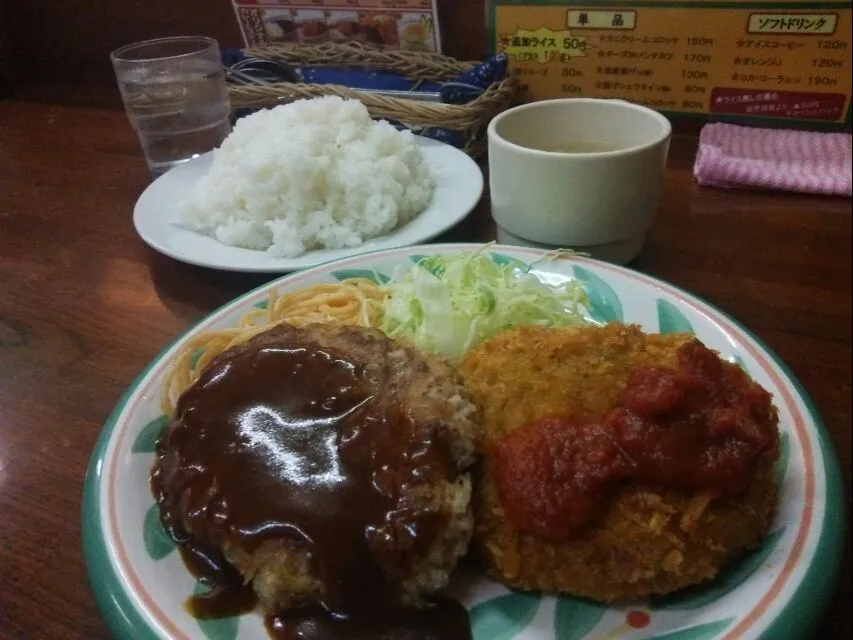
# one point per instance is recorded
(459, 185)
(775, 592)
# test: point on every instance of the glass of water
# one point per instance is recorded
(175, 96)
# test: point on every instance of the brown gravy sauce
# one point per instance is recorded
(280, 442)
(445, 620)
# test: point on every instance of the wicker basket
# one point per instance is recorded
(469, 119)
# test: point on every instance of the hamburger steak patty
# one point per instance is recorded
(326, 464)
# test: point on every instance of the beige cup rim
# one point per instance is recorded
(116, 55)
(494, 136)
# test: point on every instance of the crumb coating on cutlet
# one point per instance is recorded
(651, 540)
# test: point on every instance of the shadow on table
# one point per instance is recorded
(190, 291)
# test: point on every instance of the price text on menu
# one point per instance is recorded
(745, 60)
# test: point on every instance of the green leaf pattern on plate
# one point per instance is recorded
(157, 542)
(217, 628)
(697, 632)
(604, 304)
(781, 465)
(147, 438)
(503, 617)
(671, 320)
(263, 304)
(198, 353)
(728, 580)
(419, 259)
(503, 260)
(366, 274)
(573, 619)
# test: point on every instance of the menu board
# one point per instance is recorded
(744, 60)
(407, 25)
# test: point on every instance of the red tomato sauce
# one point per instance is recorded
(700, 427)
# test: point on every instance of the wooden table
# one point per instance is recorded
(84, 305)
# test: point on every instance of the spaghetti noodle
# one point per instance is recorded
(355, 302)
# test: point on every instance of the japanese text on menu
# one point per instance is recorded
(764, 61)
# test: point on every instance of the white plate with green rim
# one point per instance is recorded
(458, 187)
(777, 591)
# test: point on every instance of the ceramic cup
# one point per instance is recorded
(583, 174)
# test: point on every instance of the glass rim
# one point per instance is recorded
(116, 54)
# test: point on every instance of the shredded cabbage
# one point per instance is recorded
(450, 303)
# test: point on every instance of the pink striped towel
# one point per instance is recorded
(732, 156)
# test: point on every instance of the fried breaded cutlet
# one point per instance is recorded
(648, 539)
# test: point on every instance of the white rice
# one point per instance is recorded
(309, 175)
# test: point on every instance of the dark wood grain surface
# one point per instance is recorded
(84, 305)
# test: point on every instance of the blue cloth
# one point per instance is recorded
(468, 85)
(356, 79)
(232, 56)
(464, 88)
